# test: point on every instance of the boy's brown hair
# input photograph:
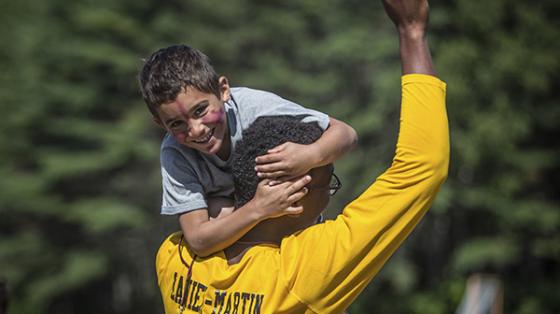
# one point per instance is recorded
(168, 71)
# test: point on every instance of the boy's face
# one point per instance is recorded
(198, 120)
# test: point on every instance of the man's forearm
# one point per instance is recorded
(415, 53)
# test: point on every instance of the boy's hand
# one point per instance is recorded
(408, 15)
(285, 161)
(278, 200)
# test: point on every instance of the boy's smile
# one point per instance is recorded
(198, 120)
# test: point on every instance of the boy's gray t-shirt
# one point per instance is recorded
(188, 176)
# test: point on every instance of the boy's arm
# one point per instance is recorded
(206, 236)
(291, 159)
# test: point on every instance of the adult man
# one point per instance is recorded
(323, 268)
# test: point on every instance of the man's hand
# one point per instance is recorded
(408, 15)
(278, 200)
(411, 19)
(286, 161)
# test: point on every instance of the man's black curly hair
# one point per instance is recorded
(265, 133)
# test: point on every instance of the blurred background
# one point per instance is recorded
(79, 169)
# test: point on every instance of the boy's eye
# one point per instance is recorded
(200, 111)
(176, 124)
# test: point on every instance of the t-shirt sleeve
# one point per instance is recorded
(182, 191)
(256, 103)
(327, 265)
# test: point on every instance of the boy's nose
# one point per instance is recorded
(195, 129)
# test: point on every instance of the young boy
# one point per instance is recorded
(204, 119)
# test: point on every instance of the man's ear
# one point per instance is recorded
(224, 88)
(158, 121)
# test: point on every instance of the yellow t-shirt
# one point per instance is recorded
(323, 268)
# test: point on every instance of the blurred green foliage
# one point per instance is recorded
(79, 172)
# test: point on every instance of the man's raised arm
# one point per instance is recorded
(341, 257)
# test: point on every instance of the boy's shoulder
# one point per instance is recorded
(248, 104)
(253, 97)
(243, 91)
(250, 101)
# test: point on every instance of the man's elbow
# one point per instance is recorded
(442, 169)
(439, 165)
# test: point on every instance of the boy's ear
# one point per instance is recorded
(157, 121)
(224, 88)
